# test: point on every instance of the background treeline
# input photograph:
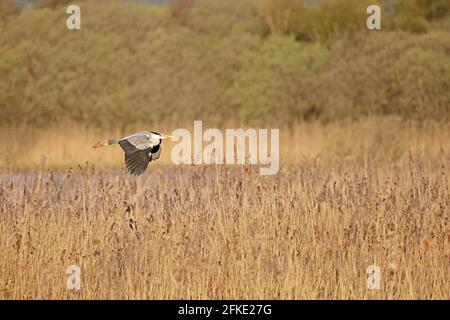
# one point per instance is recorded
(256, 61)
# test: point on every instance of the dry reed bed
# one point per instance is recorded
(386, 139)
(222, 232)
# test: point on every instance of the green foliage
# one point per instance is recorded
(331, 19)
(416, 15)
(336, 18)
(274, 80)
(277, 62)
(393, 74)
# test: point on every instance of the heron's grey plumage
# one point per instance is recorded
(142, 140)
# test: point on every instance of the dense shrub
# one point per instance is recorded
(392, 73)
(275, 80)
(217, 60)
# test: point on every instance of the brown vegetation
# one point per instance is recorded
(347, 201)
(211, 232)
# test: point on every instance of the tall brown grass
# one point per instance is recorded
(347, 202)
(382, 140)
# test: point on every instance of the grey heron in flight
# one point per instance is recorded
(140, 148)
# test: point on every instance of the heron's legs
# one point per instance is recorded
(100, 145)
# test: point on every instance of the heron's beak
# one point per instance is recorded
(165, 136)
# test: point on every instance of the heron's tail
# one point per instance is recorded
(100, 145)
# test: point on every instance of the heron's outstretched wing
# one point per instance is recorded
(137, 162)
(136, 142)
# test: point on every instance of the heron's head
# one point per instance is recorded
(161, 136)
